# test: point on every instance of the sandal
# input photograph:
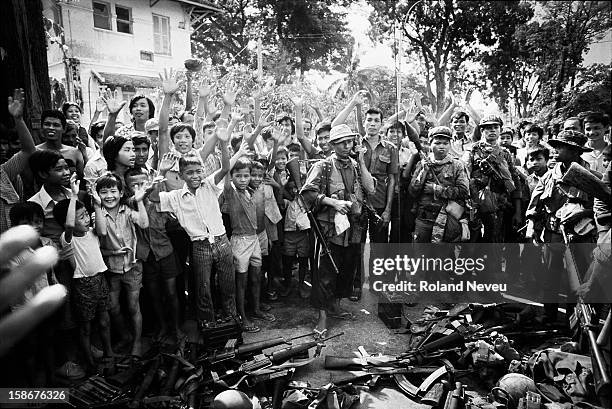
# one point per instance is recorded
(265, 316)
(319, 334)
(250, 328)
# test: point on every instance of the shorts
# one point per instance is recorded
(246, 252)
(263, 243)
(131, 280)
(89, 297)
(163, 269)
(296, 243)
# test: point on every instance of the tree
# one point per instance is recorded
(443, 35)
(534, 65)
(306, 34)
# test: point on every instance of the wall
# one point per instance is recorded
(112, 51)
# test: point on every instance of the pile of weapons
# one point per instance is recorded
(188, 378)
(464, 341)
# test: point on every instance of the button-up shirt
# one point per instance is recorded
(382, 160)
(51, 228)
(198, 213)
(595, 160)
(120, 235)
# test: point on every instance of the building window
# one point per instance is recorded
(161, 34)
(146, 55)
(101, 15)
(124, 19)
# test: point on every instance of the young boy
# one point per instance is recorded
(160, 263)
(196, 207)
(52, 172)
(438, 180)
(268, 215)
(89, 292)
(117, 228)
(596, 128)
(238, 201)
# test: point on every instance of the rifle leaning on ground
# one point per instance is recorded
(585, 320)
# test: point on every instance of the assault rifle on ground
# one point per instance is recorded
(247, 350)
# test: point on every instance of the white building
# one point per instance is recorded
(121, 44)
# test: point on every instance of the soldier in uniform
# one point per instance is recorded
(335, 189)
(494, 182)
(551, 203)
(439, 180)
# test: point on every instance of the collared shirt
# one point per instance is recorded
(594, 159)
(459, 146)
(382, 160)
(94, 168)
(242, 210)
(198, 214)
(120, 235)
(51, 228)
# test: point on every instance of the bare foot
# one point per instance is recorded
(136, 349)
(266, 316)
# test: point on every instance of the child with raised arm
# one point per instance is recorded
(196, 207)
(89, 291)
(117, 227)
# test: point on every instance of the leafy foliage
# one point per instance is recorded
(298, 35)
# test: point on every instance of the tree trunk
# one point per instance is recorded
(24, 60)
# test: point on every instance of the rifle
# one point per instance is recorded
(264, 361)
(293, 167)
(248, 349)
(584, 319)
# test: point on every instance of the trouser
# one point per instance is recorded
(218, 256)
(184, 281)
(329, 286)
(402, 220)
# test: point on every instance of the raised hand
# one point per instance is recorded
(100, 105)
(205, 89)
(143, 190)
(167, 162)
(297, 101)
(18, 279)
(222, 133)
(74, 184)
(170, 81)
(231, 91)
(236, 115)
(265, 119)
(113, 103)
(360, 97)
(16, 102)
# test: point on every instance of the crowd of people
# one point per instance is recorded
(215, 204)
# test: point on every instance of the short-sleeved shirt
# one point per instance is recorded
(198, 213)
(51, 228)
(595, 160)
(94, 168)
(154, 238)
(382, 161)
(120, 234)
(210, 166)
(242, 210)
(87, 255)
(11, 186)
